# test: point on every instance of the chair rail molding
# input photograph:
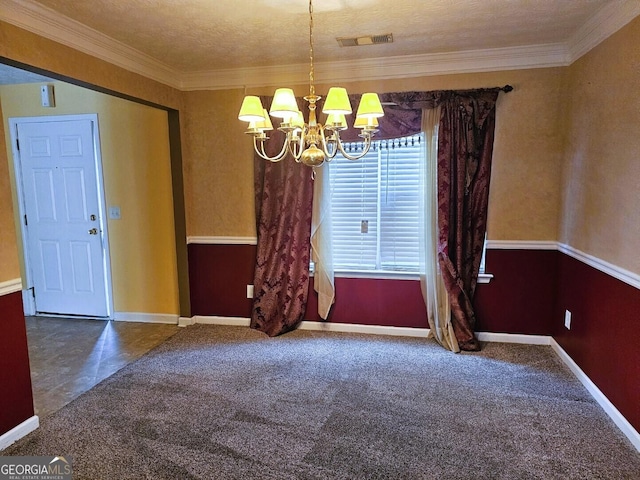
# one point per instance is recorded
(219, 240)
(10, 286)
(622, 274)
(615, 271)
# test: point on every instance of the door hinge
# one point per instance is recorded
(18, 144)
(25, 221)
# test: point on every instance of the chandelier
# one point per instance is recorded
(310, 143)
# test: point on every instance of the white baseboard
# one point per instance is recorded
(186, 321)
(321, 326)
(368, 329)
(213, 320)
(622, 423)
(16, 433)
(514, 338)
(146, 317)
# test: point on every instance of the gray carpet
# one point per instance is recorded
(230, 403)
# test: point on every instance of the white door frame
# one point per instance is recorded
(28, 298)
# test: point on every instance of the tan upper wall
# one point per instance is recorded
(28, 48)
(218, 166)
(9, 265)
(600, 214)
(525, 189)
(137, 178)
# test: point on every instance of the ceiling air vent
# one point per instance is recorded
(367, 40)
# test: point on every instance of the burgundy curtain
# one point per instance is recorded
(465, 147)
(284, 193)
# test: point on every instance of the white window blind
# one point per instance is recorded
(375, 206)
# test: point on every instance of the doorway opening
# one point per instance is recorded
(60, 191)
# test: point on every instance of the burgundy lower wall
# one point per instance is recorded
(604, 339)
(519, 299)
(521, 296)
(369, 301)
(16, 399)
(218, 279)
(219, 275)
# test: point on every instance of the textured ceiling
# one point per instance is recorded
(203, 35)
(10, 75)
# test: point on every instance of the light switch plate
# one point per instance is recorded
(47, 98)
(114, 213)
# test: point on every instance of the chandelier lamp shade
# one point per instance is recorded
(310, 142)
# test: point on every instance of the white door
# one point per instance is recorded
(63, 225)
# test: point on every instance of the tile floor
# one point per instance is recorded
(69, 356)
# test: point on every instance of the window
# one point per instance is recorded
(375, 206)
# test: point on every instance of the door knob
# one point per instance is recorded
(93, 231)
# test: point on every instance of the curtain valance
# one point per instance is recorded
(402, 110)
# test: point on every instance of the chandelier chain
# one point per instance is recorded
(310, 143)
(312, 89)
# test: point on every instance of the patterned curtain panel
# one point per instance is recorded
(402, 114)
(465, 147)
(284, 193)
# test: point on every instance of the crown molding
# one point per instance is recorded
(490, 60)
(608, 20)
(47, 23)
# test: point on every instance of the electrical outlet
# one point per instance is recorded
(249, 291)
(567, 319)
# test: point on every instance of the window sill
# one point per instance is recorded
(485, 277)
(384, 275)
(378, 274)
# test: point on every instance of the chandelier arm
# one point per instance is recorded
(331, 155)
(367, 146)
(296, 148)
(325, 144)
(262, 154)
